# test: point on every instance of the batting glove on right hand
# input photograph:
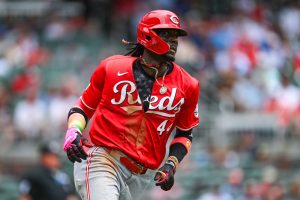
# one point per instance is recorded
(164, 177)
(73, 145)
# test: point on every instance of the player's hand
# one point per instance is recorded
(164, 177)
(73, 145)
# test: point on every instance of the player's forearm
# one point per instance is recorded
(181, 144)
(77, 119)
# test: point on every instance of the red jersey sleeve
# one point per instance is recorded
(188, 116)
(92, 94)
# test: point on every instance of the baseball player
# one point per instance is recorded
(136, 100)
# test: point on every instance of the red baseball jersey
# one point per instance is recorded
(119, 120)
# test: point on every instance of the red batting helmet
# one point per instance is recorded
(157, 19)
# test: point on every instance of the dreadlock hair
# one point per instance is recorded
(134, 49)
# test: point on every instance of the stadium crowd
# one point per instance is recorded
(245, 53)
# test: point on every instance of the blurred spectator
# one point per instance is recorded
(246, 147)
(269, 179)
(276, 192)
(7, 134)
(247, 94)
(24, 42)
(30, 113)
(250, 192)
(215, 194)
(60, 104)
(225, 84)
(46, 180)
(289, 22)
(56, 28)
(5, 67)
(234, 185)
(285, 101)
(293, 190)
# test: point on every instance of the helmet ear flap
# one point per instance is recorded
(146, 34)
(151, 41)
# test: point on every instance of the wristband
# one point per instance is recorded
(184, 141)
(173, 160)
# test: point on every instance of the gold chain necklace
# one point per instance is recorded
(163, 88)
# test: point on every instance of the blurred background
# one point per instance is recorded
(245, 53)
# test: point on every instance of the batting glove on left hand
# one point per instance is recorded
(73, 145)
(164, 177)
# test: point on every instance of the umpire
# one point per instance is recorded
(46, 181)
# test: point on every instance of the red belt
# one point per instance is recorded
(130, 164)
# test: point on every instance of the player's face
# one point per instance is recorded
(171, 37)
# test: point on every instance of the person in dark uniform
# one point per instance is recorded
(46, 181)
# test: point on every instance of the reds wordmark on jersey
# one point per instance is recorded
(143, 136)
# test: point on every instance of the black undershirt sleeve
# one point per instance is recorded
(178, 150)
